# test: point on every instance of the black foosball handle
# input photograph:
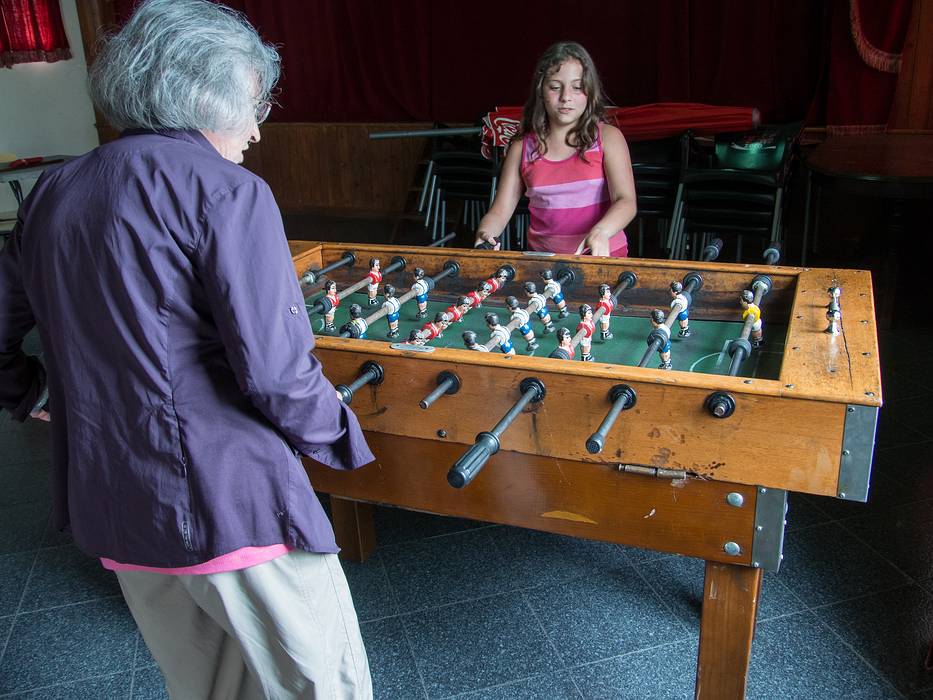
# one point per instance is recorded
(370, 373)
(312, 276)
(469, 465)
(712, 251)
(772, 254)
(447, 383)
(623, 397)
(485, 245)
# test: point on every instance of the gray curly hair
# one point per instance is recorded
(183, 64)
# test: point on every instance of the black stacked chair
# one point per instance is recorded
(656, 166)
(734, 189)
(456, 174)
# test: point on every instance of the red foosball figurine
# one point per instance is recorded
(478, 295)
(588, 327)
(375, 277)
(330, 291)
(457, 310)
(607, 304)
(564, 349)
(497, 280)
(435, 328)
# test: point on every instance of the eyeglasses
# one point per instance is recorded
(262, 111)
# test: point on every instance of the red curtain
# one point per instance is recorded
(31, 30)
(865, 43)
(452, 61)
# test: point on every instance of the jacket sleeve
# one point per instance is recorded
(22, 377)
(257, 305)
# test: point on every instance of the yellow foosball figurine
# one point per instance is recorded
(751, 309)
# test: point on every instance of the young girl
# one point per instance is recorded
(574, 169)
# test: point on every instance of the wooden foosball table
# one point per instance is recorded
(696, 460)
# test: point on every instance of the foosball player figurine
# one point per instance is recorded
(750, 308)
(457, 310)
(499, 334)
(557, 294)
(469, 339)
(607, 304)
(357, 325)
(497, 280)
(539, 303)
(679, 299)
(564, 349)
(586, 324)
(415, 338)
(392, 306)
(420, 288)
(435, 329)
(478, 295)
(330, 292)
(664, 352)
(521, 316)
(375, 277)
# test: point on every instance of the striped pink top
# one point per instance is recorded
(566, 198)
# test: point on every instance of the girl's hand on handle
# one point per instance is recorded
(486, 240)
(595, 243)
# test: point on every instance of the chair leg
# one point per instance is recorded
(443, 218)
(430, 207)
(776, 219)
(439, 195)
(424, 187)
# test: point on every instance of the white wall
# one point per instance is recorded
(45, 108)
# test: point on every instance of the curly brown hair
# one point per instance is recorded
(535, 120)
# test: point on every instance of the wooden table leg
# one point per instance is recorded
(730, 602)
(354, 528)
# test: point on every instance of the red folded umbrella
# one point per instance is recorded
(642, 123)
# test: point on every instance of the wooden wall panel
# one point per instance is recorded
(336, 166)
(913, 100)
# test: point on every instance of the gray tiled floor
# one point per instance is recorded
(453, 608)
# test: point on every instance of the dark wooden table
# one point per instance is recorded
(893, 167)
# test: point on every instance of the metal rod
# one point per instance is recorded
(312, 276)
(427, 133)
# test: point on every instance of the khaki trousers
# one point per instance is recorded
(280, 630)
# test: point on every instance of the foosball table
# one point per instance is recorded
(674, 413)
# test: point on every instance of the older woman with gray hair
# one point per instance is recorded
(181, 388)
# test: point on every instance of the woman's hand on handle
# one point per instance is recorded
(486, 240)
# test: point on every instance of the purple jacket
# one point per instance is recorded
(177, 350)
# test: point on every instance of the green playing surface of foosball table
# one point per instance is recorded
(704, 351)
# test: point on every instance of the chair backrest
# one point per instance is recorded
(766, 149)
(656, 166)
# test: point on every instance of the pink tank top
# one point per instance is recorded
(566, 198)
